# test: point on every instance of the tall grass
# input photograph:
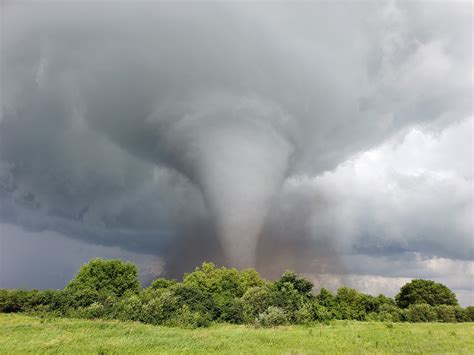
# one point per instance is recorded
(21, 334)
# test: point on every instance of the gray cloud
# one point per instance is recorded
(181, 128)
(50, 260)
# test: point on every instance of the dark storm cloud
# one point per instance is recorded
(50, 260)
(169, 126)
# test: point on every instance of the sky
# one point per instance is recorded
(331, 138)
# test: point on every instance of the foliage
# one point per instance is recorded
(300, 284)
(160, 283)
(350, 304)
(312, 311)
(421, 312)
(255, 301)
(469, 313)
(445, 313)
(386, 313)
(425, 291)
(109, 289)
(326, 298)
(223, 286)
(271, 317)
(102, 277)
(232, 311)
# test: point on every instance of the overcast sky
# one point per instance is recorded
(335, 139)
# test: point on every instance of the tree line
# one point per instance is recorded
(110, 289)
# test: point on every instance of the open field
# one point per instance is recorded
(20, 334)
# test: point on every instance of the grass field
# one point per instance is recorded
(21, 334)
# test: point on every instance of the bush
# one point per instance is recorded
(194, 298)
(421, 313)
(350, 304)
(386, 313)
(286, 297)
(300, 284)
(109, 289)
(446, 314)
(256, 300)
(312, 311)
(271, 317)
(222, 286)
(469, 313)
(128, 308)
(461, 314)
(187, 318)
(232, 311)
(160, 309)
(33, 301)
(425, 291)
(104, 277)
(161, 283)
(327, 299)
(12, 301)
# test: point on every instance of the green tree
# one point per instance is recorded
(425, 291)
(271, 317)
(256, 300)
(107, 277)
(469, 313)
(224, 286)
(161, 283)
(300, 284)
(326, 298)
(350, 304)
(421, 312)
(215, 281)
(250, 278)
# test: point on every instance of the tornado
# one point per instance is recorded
(237, 150)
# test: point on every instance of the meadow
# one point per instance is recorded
(28, 334)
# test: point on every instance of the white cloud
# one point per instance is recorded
(399, 211)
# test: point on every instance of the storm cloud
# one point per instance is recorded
(235, 131)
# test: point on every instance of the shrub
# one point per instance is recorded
(159, 309)
(104, 277)
(95, 310)
(17, 300)
(84, 297)
(128, 308)
(286, 297)
(326, 298)
(469, 312)
(461, 314)
(215, 281)
(256, 300)
(109, 289)
(250, 278)
(161, 283)
(421, 313)
(425, 291)
(389, 312)
(300, 284)
(349, 304)
(232, 311)
(194, 298)
(312, 311)
(271, 317)
(304, 314)
(187, 318)
(222, 285)
(445, 313)
(386, 313)
(12, 301)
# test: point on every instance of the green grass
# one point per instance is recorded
(21, 334)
